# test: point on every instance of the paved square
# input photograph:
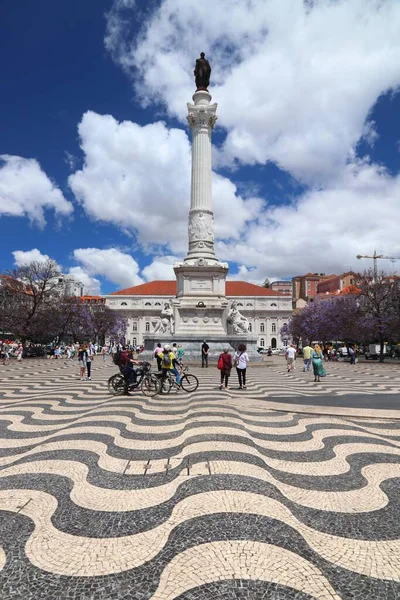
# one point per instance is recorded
(286, 490)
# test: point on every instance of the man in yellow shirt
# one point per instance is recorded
(307, 358)
(168, 360)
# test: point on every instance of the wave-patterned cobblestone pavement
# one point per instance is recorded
(195, 496)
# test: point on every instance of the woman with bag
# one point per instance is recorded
(225, 366)
(240, 362)
(317, 358)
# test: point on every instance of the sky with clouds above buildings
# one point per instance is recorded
(95, 148)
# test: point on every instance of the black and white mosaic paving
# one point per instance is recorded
(196, 496)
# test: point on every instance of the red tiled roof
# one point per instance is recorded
(168, 288)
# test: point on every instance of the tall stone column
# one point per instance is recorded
(201, 119)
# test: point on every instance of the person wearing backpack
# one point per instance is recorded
(168, 362)
(240, 362)
(225, 366)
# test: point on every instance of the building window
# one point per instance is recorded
(239, 304)
(134, 327)
(147, 304)
(157, 304)
(273, 328)
(124, 304)
(249, 304)
(273, 343)
(134, 342)
(262, 328)
(262, 342)
(147, 326)
(274, 304)
(250, 327)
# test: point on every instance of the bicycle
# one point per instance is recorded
(150, 385)
(188, 383)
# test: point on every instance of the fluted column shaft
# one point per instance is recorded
(201, 119)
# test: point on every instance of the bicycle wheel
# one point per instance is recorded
(150, 385)
(117, 385)
(189, 382)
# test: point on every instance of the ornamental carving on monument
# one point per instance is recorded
(201, 118)
(201, 227)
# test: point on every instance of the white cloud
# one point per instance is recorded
(22, 257)
(91, 285)
(324, 230)
(161, 268)
(118, 267)
(25, 190)
(294, 81)
(138, 178)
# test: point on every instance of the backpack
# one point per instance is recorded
(117, 358)
(166, 360)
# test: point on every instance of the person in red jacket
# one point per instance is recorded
(226, 360)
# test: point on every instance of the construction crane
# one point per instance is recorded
(375, 257)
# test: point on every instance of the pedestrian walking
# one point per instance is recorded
(6, 353)
(204, 354)
(82, 360)
(317, 358)
(90, 357)
(225, 366)
(307, 350)
(240, 362)
(104, 351)
(290, 357)
(352, 355)
(19, 352)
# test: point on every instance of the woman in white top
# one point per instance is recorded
(240, 361)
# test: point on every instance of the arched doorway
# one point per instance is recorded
(273, 343)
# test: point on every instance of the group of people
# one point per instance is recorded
(240, 362)
(86, 354)
(169, 358)
(312, 355)
(6, 348)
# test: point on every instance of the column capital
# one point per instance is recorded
(202, 116)
(201, 112)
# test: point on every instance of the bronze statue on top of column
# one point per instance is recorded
(202, 72)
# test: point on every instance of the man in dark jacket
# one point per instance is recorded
(204, 354)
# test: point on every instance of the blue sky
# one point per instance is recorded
(93, 106)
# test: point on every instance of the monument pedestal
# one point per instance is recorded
(192, 345)
(200, 303)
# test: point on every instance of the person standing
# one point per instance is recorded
(307, 350)
(240, 362)
(317, 358)
(226, 360)
(204, 354)
(156, 354)
(290, 358)
(82, 360)
(90, 357)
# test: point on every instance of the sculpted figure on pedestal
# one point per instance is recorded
(239, 323)
(201, 227)
(202, 72)
(167, 321)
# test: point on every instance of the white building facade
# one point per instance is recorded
(267, 311)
